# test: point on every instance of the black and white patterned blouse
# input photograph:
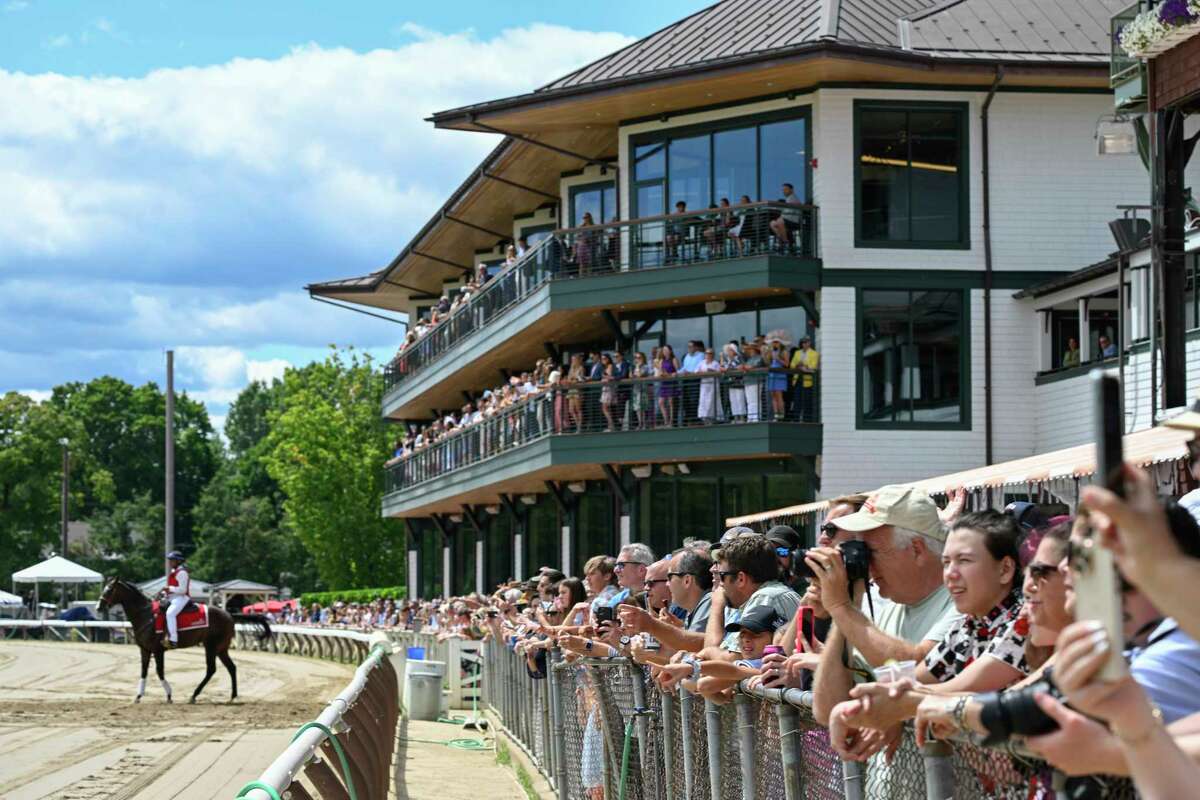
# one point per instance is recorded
(996, 634)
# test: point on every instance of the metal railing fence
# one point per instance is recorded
(762, 746)
(637, 404)
(664, 241)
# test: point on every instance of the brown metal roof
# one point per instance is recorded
(1032, 30)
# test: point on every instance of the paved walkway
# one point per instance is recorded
(427, 771)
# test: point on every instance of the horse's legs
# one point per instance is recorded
(228, 662)
(158, 667)
(210, 669)
(145, 668)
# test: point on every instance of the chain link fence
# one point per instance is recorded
(599, 729)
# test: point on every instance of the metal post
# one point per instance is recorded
(637, 683)
(66, 492)
(712, 725)
(685, 727)
(744, 706)
(559, 748)
(939, 771)
(169, 501)
(854, 777)
(667, 702)
(789, 751)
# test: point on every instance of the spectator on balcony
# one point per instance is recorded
(1071, 357)
(716, 227)
(738, 226)
(691, 391)
(510, 256)
(587, 242)
(668, 389)
(608, 393)
(752, 363)
(731, 365)
(806, 360)
(786, 226)
(574, 379)
(522, 246)
(641, 392)
(677, 232)
(777, 379)
(1107, 348)
(622, 370)
(709, 406)
(905, 537)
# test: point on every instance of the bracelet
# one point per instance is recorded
(1144, 736)
(960, 708)
(695, 669)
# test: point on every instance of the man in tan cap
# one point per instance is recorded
(904, 535)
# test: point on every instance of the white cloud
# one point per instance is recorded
(186, 208)
(56, 42)
(37, 395)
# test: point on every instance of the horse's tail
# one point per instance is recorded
(255, 619)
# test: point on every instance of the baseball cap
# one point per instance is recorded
(784, 536)
(902, 506)
(760, 619)
(1026, 515)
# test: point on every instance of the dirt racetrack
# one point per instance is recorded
(69, 727)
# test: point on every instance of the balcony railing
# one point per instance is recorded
(673, 240)
(640, 404)
(1122, 66)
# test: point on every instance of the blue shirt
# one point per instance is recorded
(691, 361)
(618, 598)
(1168, 668)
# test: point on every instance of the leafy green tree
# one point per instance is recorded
(124, 440)
(30, 478)
(327, 445)
(127, 540)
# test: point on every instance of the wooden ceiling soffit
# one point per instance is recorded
(609, 105)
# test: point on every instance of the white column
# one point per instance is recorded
(446, 592)
(518, 556)
(566, 549)
(479, 563)
(1085, 333)
(1045, 342)
(626, 536)
(414, 579)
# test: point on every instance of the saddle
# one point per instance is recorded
(192, 616)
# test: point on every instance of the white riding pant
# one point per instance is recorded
(177, 604)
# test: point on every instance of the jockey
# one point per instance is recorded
(179, 583)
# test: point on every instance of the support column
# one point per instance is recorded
(519, 518)
(1169, 262)
(1085, 332)
(625, 499)
(446, 592)
(566, 505)
(478, 522)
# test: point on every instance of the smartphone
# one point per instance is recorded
(1097, 588)
(604, 614)
(806, 629)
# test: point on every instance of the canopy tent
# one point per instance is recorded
(7, 599)
(1059, 472)
(221, 592)
(56, 569)
(200, 590)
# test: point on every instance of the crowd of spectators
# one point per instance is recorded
(442, 617)
(960, 622)
(764, 378)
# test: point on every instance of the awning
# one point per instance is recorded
(57, 569)
(1144, 448)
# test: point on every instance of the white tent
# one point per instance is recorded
(7, 599)
(56, 569)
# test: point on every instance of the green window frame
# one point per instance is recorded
(961, 111)
(575, 191)
(963, 336)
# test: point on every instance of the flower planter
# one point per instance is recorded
(1173, 37)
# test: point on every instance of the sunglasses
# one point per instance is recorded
(620, 565)
(656, 580)
(1040, 572)
(723, 574)
(829, 529)
(679, 574)
(782, 551)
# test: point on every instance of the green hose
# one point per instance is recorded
(341, 754)
(258, 785)
(625, 758)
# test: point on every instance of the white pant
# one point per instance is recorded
(752, 400)
(177, 603)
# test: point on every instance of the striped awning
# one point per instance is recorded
(1144, 448)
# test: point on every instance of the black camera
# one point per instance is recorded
(855, 556)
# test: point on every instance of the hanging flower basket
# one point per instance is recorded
(1156, 31)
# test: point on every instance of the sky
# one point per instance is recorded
(173, 173)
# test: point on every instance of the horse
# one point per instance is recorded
(216, 638)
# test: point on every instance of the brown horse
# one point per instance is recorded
(216, 638)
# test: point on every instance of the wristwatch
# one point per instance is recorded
(624, 641)
(588, 646)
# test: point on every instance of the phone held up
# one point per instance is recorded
(1097, 588)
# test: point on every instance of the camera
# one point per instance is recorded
(855, 556)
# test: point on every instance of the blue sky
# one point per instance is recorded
(172, 173)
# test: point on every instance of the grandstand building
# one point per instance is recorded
(945, 189)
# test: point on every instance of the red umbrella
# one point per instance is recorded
(274, 606)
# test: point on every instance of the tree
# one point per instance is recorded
(128, 539)
(326, 449)
(124, 439)
(30, 475)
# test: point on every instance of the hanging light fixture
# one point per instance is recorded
(1114, 136)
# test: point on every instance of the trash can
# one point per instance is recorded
(423, 688)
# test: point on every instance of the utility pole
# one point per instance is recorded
(169, 500)
(66, 493)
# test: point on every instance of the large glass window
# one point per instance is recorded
(704, 164)
(597, 199)
(912, 368)
(789, 323)
(911, 164)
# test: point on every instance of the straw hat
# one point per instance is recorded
(1187, 421)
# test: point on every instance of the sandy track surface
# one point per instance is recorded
(69, 728)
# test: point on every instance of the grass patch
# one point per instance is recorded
(504, 759)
